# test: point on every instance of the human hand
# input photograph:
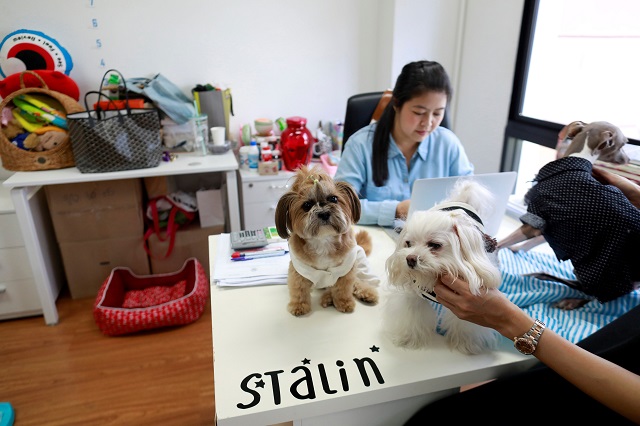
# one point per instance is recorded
(490, 308)
(626, 186)
(402, 209)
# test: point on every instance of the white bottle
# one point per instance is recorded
(254, 155)
(244, 157)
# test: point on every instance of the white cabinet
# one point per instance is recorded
(260, 195)
(18, 291)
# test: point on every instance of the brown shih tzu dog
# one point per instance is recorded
(316, 216)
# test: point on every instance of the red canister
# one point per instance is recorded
(296, 143)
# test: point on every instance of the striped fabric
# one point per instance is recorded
(536, 297)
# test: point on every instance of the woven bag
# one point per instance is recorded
(114, 140)
(58, 157)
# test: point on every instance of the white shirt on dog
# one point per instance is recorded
(323, 278)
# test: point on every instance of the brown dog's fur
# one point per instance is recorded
(601, 141)
(317, 216)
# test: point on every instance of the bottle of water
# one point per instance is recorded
(254, 155)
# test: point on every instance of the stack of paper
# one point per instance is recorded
(267, 270)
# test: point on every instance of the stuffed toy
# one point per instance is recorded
(44, 142)
(12, 129)
(55, 80)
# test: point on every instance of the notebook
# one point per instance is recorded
(428, 192)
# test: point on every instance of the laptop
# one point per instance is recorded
(428, 192)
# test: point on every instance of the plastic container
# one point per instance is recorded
(243, 157)
(265, 153)
(296, 143)
(275, 155)
(254, 155)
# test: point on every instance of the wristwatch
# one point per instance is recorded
(528, 342)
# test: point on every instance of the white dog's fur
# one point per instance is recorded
(431, 243)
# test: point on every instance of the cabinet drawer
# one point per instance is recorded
(259, 215)
(14, 264)
(257, 192)
(18, 298)
(10, 235)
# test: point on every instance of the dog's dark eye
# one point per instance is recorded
(332, 199)
(433, 245)
(407, 244)
(306, 206)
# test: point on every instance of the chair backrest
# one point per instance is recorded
(360, 109)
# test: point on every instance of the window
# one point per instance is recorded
(577, 60)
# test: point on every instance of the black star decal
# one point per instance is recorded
(260, 384)
(306, 361)
(374, 348)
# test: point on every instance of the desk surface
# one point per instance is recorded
(271, 367)
(185, 163)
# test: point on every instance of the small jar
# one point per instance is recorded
(266, 154)
(276, 158)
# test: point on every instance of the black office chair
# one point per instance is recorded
(360, 109)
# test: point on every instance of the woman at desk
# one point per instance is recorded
(383, 159)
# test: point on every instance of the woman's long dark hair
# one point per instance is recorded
(415, 79)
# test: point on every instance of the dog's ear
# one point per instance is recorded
(351, 198)
(283, 222)
(474, 255)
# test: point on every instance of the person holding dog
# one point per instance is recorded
(383, 159)
(597, 379)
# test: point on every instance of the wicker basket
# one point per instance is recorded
(59, 157)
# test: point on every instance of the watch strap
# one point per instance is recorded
(528, 342)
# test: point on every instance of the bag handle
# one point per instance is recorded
(99, 111)
(23, 86)
(124, 83)
(172, 228)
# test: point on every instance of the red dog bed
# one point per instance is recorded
(127, 303)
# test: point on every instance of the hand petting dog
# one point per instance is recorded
(447, 239)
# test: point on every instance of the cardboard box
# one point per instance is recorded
(191, 241)
(88, 263)
(210, 207)
(96, 210)
(159, 185)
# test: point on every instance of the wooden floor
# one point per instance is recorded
(72, 374)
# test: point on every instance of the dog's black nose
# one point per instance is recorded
(324, 215)
(412, 260)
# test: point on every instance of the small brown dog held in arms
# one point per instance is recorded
(317, 216)
(592, 224)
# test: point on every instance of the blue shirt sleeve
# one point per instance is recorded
(440, 155)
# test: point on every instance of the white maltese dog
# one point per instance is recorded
(448, 238)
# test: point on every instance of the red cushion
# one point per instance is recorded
(55, 80)
(156, 295)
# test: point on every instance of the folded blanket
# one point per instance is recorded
(536, 296)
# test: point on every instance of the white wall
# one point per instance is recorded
(290, 57)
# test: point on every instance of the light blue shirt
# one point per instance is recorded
(440, 154)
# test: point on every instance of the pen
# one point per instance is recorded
(257, 252)
(259, 256)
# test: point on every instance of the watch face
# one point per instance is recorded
(526, 346)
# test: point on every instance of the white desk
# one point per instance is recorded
(35, 224)
(260, 351)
